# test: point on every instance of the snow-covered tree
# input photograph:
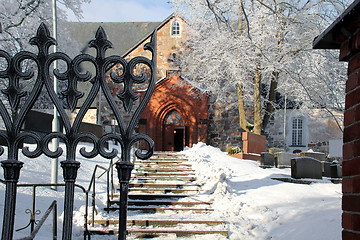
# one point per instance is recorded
(240, 46)
(19, 20)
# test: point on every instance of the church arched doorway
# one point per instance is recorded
(174, 132)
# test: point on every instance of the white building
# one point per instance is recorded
(297, 131)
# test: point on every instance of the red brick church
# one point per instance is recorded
(177, 114)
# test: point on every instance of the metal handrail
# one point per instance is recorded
(92, 184)
(109, 192)
(32, 217)
(53, 207)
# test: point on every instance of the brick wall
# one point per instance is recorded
(350, 52)
(344, 34)
(169, 47)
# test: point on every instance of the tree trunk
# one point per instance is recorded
(257, 103)
(269, 108)
(243, 122)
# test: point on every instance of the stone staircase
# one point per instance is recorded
(165, 203)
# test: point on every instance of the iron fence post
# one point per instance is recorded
(124, 169)
(11, 175)
(70, 172)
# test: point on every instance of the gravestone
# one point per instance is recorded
(253, 146)
(317, 155)
(283, 159)
(306, 167)
(42, 124)
(335, 170)
(274, 150)
(327, 169)
(39, 122)
(95, 129)
(267, 160)
(253, 143)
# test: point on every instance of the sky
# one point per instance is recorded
(125, 11)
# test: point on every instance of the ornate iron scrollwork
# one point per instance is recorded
(71, 136)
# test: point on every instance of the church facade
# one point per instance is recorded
(179, 114)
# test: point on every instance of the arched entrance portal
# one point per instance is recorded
(176, 115)
(174, 132)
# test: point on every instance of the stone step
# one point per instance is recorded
(170, 154)
(166, 190)
(151, 233)
(166, 169)
(159, 181)
(159, 159)
(153, 196)
(149, 209)
(145, 174)
(164, 185)
(157, 222)
(163, 165)
(165, 203)
(161, 203)
(177, 232)
(166, 159)
(133, 196)
(164, 178)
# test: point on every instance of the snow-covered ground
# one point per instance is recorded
(245, 195)
(258, 207)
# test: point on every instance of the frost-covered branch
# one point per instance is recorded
(273, 37)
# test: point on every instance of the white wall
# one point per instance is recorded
(336, 148)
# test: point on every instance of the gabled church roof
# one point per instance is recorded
(125, 36)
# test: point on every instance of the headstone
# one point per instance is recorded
(95, 129)
(317, 155)
(274, 150)
(39, 122)
(283, 159)
(253, 143)
(42, 124)
(306, 167)
(327, 171)
(253, 146)
(267, 160)
(335, 170)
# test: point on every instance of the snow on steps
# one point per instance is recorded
(171, 205)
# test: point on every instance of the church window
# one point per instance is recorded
(297, 132)
(174, 117)
(175, 28)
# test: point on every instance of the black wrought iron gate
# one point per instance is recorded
(14, 118)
